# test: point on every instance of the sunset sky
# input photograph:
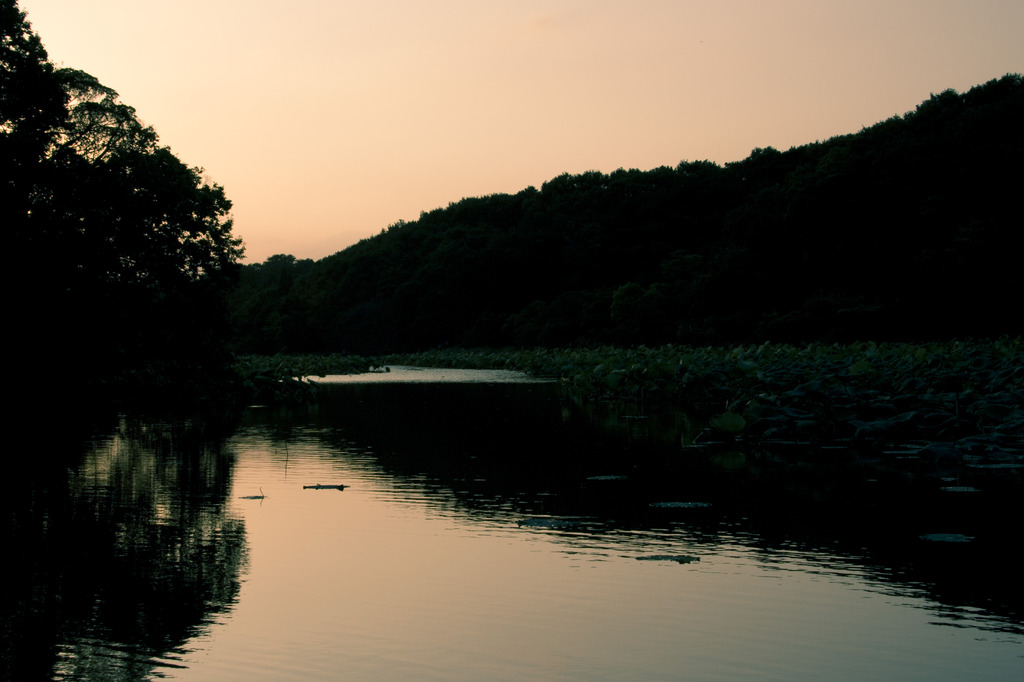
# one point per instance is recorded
(328, 120)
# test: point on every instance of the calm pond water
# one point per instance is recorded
(490, 531)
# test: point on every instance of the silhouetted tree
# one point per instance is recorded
(125, 253)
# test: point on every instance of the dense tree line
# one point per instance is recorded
(902, 231)
(122, 253)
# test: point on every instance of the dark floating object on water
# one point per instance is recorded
(946, 537)
(548, 523)
(680, 505)
(678, 558)
(253, 497)
(336, 486)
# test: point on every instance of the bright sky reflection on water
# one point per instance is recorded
(489, 532)
(395, 578)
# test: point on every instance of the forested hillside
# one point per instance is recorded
(903, 231)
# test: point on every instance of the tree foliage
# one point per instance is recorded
(123, 253)
(901, 231)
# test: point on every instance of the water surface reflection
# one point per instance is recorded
(495, 532)
(120, 555)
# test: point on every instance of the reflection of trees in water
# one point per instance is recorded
(591, 477)
(121, 558)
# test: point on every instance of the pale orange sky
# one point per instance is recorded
(328, 120)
